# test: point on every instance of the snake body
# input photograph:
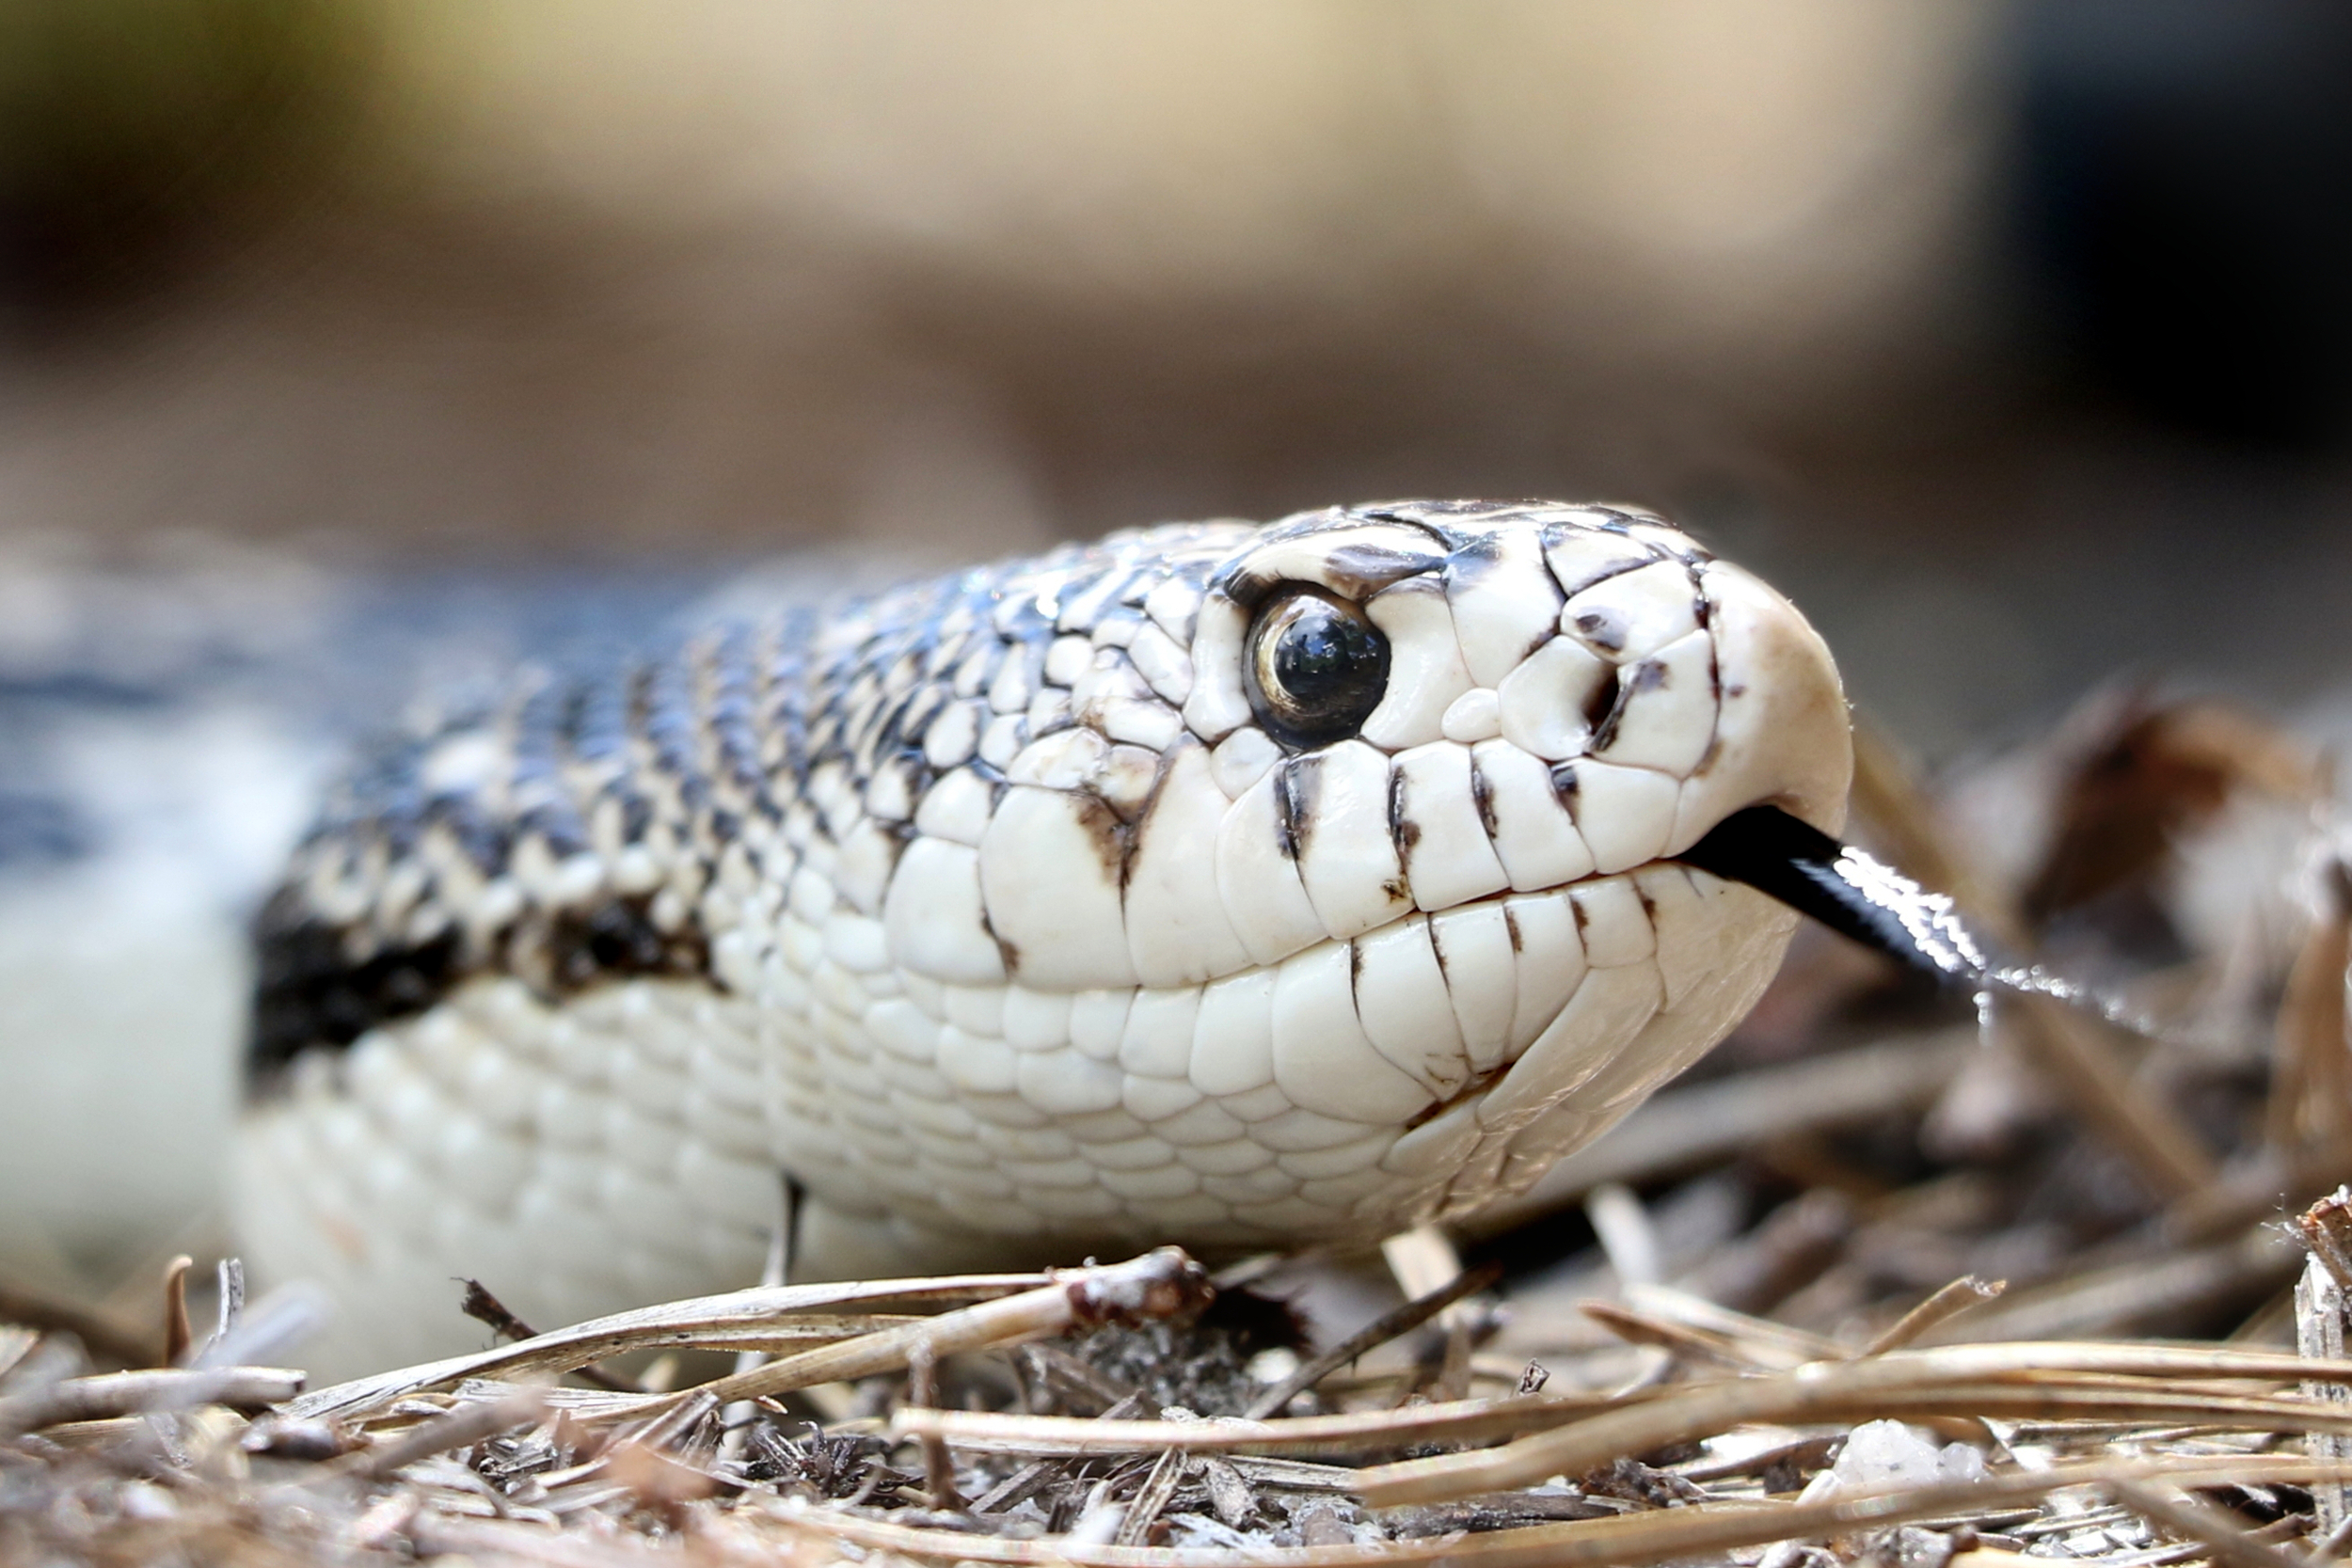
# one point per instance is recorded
(1228, 884)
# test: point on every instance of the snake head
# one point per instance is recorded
(1218, 884)
(1364, 823)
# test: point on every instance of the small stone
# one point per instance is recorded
(1877, 1452)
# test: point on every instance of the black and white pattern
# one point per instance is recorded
(988, 908)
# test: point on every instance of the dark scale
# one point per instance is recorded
(309, 990)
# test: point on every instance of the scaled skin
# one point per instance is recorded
(992, 913)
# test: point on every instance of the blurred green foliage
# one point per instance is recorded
(132, 131)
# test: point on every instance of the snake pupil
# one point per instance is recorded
(1320, 667)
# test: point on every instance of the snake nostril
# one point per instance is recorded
(1600, 702)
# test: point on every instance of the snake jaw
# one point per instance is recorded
(990, 905)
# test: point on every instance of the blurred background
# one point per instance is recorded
(350, 348)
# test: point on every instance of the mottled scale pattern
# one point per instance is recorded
(992, 912)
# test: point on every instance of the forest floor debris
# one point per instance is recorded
(1867, 1288)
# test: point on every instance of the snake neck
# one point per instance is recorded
(620, 821)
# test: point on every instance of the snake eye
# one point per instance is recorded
(1317, 668)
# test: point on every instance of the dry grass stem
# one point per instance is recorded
(1960, 1296)
(2183, 1515)
(1158, 1284)
(1762, 1340)
(1619, 1540)
(2055, 1381)
(92, 1399)
(1800, 1366)
(178, 1333)
(460, 1428)
(1684, 1339)
(762, 1318)
(1404, 1320)
(1356, 1432)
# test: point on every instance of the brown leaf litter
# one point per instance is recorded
(1869, 1286)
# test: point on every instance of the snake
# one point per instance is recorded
(1237, 885)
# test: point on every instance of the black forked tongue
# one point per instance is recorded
(1842, 888)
